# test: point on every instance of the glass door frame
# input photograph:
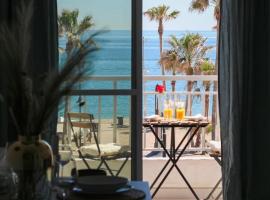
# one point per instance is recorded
(135, 92)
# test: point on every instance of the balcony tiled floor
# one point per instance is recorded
(201, 171)
(183, 194)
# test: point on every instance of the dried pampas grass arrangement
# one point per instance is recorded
(31, 106)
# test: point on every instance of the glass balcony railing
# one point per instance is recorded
(113, 112)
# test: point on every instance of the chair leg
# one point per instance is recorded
(100, 164)
(108, 167)
(103, 161)
(122, 166)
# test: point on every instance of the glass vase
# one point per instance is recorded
(31, 159)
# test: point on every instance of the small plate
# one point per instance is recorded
(198, 117)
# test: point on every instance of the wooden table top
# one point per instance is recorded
(183, 123)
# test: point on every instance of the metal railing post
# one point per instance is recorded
(203, 129)
(114, 113)
(99, 117)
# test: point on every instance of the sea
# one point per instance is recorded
(114, 59)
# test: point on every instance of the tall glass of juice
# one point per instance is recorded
(168, 111)
(180, 110)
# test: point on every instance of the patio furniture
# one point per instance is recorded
(174, 157)
(215, 153)
(96, 150)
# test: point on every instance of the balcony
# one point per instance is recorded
(201, 170)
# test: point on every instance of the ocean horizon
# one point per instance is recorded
(114, 59)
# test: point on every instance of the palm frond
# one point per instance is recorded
(85, 24)
(161, 13)
(189, 50)
(173, 15)
(199, 5)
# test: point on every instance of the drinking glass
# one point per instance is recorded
(180, 110)
(168, 111)
(65, 181)
(64, 157)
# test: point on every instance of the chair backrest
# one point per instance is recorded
(81, 120)
(85, 121)
(86, 116)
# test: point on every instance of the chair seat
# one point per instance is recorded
(109, 149)
(215, 146)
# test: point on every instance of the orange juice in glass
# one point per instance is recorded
(180, 111)
(168, 111)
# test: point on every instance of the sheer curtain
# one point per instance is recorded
(43, 50)
(244, 87)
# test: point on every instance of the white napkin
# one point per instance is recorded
(197, 117)
(152, 117)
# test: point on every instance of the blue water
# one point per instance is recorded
(114, 59)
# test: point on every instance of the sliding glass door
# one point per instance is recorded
(111, 90)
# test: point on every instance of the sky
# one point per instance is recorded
(107, 14)
(116, 14)
(186, 21)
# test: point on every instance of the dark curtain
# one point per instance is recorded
(244, 87)
(43, 51)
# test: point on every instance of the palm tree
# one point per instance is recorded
(171, 62)
(192, 50)
(70, 27)
(161, 14)
(207, 68)
(201, 6)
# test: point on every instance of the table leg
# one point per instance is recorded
(175, 165)
(156, 142)
(214, 189)
(167, 163)
(172, 146)
(164, 137)
(161, 143)
(218, 196)
(219, 181)
(166, 152)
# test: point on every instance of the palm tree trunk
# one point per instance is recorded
(206, 111)
(189, 98)
(173, 85)
(189, 105)
(160, 32)
(173, 82)
(206, 101)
